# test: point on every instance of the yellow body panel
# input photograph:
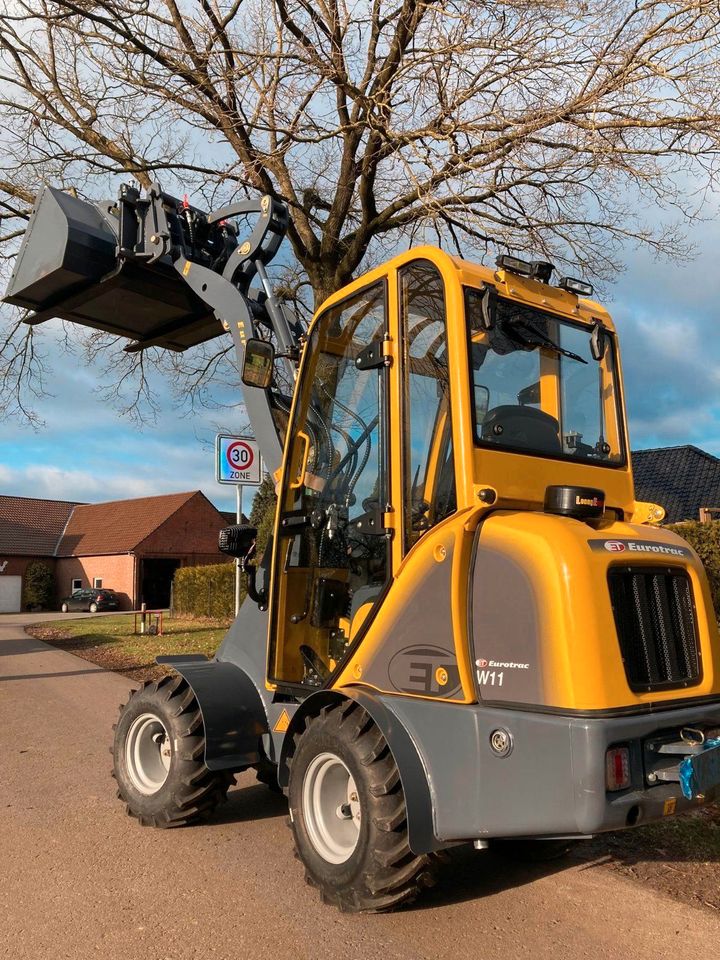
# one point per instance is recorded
(577, 654)
(579, 657)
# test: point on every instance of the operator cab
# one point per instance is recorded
(418, 386)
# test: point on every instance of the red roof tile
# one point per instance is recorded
(119, 526)
(30, 527)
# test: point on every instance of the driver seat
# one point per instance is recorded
(524, 427)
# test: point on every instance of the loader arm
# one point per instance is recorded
(163, 273)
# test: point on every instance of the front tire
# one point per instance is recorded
(64, 608)
(348, 814)
(158, 757)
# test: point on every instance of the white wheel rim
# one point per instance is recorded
(148, 753)
(331, 808)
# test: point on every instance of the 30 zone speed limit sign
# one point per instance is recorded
(237, 460)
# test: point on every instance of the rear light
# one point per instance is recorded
(617, 768)
(98, 597)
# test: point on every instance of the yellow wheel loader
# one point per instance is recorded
(465, 628)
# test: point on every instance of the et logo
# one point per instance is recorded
(614, 546)
(424, 669)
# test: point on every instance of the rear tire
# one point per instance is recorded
(158, 757)
(348, 814)
(93, 608)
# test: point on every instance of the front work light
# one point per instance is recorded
(579, 287)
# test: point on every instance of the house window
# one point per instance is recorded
(76, 585)
(97, 583)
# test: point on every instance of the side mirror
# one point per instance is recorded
(259, 364)
(482, 307)
(529, 394)
(598, 342)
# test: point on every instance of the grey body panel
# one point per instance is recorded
(233, 311)
(238, 710)
(553, 781)
(504, 627)
(413, 775)
(233, 713)
(245, 644)
(419, 639)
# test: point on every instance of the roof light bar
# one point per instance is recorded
(514, 265)
(541, 270)
(579, 287)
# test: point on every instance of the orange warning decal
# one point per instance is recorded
(669, 806)
(283, 722)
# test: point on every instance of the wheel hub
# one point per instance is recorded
(331, 808)
(148, 753)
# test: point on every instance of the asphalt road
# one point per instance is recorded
(78, 879)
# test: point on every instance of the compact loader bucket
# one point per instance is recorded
(69, 266)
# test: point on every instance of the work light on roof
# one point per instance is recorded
(535, 269)
(514, 265)
(579, 287)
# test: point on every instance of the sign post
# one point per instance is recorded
(238, 461)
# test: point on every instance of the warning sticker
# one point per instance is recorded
(283, 722)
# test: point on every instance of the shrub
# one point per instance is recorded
(206, 591)
(262, 514)
(704, 538)
(38, 586)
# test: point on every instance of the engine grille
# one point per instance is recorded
(656, 626)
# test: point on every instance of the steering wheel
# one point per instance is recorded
(314, 661)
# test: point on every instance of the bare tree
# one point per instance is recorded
(528, 125)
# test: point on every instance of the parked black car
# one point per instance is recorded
(92, 600)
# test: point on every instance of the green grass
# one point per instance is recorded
(110, 641)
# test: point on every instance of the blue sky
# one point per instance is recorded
(667, 316)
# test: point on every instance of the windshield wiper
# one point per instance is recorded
(547, 341)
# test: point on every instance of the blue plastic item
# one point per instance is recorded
(688, 780)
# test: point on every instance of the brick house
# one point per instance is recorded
(130, 546)
(29, 530)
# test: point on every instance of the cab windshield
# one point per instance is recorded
(538, 389)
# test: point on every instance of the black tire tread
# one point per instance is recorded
(205, 789)
(396, 875)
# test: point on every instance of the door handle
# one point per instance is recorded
(298, 481)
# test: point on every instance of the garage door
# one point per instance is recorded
(10, 594)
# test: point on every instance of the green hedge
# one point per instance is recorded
(206, 591)
(38, 586)
(209, 591)
(704, 538)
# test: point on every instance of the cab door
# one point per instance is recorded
(331, 550)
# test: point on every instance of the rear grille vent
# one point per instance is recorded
(655, 621)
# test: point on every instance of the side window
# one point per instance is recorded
(428, 469)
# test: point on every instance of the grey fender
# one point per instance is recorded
(410, 766)
(232, 710)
